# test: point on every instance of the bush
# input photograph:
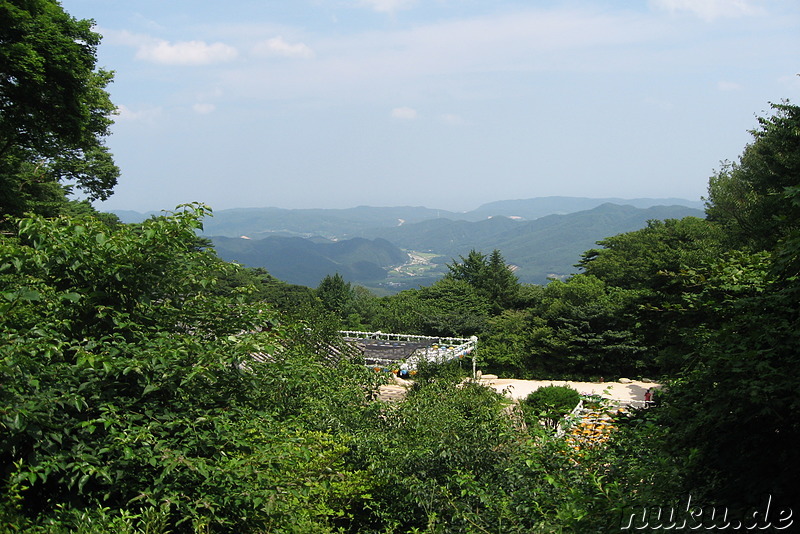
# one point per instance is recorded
(128, 385)
(449, 372)
(549, 404)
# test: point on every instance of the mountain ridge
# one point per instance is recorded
(540, 249)
(360, 221)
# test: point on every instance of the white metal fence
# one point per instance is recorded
(433, 348)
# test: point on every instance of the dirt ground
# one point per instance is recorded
(625, 392)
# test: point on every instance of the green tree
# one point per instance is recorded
(643, 259)
(336, 295)
(732, 412)
(490, 276)
(505, 346)
(452, 308)
(54, 109)
(753, 198)
(580, 328)
(549, 404)
(401, 313)
(259, 286)
(644, 263)
(470, 269)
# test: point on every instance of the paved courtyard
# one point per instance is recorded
(625, 391)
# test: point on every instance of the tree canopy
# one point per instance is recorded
(755, 199)
(54, 109)
(490, 276)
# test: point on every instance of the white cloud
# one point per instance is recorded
(451, 118)
(791, 81)
(185, 52)
(404, 113)
(124, 113)
(728, 86)
(277, 46)
(387, 6)
(709, 9)
(204, 108)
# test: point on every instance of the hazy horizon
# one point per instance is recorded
(444, 208)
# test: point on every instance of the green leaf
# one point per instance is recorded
(82, 482)
(71, 297)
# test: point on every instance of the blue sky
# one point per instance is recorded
(442, 103)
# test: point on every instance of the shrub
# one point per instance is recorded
(549, 404)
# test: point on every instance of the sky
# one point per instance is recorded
(440, 103)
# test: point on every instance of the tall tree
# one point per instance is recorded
(452, 308)
(753, 198)
(54, 109)
(645, 262)
(641, 259)
(336, 294)
(490, 276)
(733, 412)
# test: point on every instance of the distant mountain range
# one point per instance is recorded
(546, 247)
(535, 208)
(541, 237)
(361, 221)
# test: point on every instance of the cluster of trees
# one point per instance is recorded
(605, 322)
(147, 386)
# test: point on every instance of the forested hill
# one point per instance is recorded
(541, 248)
(307, 261)
(535, 208)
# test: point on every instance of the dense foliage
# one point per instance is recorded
(549, 404)
(147, 386)
(54, 109)
(135, 395)
(126, 385)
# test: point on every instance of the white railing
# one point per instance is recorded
(441, 353)
(569, 419)
(438, 349)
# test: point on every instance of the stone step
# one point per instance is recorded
(392, 392)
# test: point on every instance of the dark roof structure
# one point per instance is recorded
(378, 350)
(384, 350)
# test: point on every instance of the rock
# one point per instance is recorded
(401, 382)
(624, 380)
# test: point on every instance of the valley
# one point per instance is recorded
(368, 247)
